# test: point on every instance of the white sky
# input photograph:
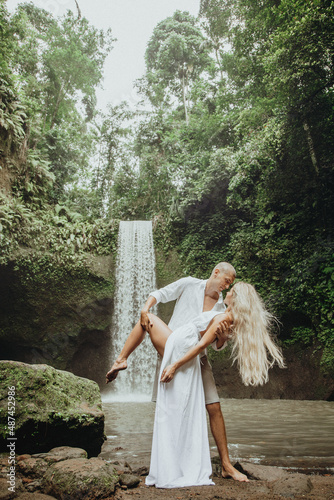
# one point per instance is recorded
(132, 23)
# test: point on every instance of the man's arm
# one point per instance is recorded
(172, 291)
(165, 294)
(144, 319)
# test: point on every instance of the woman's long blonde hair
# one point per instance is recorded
(253, 348)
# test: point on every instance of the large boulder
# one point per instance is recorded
(52, 408)
(80, 478)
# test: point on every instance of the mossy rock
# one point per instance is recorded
(52, 408)
(80, 479)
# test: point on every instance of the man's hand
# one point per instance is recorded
(223, 333)
(168, 373)
(145, 321)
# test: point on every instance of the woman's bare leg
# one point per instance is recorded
(159, 333)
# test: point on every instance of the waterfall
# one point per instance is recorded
(135, 279)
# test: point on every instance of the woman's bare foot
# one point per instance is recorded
(120, 364)
(230, 471)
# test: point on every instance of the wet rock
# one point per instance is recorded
(292, 485)
(129, 480)
(261, 472)
(63, 322)
(216, 467)
(80, 478)
(53, 408)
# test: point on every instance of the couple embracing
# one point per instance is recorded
(185, 385)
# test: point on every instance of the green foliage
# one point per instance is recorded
(249, 179)
(247, 176)
(59, 236)
(47, 145)
(300, 335)
(46, 107)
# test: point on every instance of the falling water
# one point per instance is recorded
(135, 279)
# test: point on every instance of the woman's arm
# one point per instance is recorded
(208, 337)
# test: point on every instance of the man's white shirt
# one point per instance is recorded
(189, 295)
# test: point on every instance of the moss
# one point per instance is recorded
(52, 406)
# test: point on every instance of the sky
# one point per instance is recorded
(132, 23)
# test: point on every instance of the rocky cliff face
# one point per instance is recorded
(62, 320)
(301, 379)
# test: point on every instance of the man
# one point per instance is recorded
(193, 296)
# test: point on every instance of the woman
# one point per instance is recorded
(180, 448)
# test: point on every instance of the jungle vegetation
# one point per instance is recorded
(231, 155)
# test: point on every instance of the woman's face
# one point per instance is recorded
(228, 297)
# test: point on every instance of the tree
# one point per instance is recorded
(176, 54)
(59, 63)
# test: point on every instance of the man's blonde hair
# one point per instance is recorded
(225, 267)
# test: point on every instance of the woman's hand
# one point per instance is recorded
(223, 332)
(168, 373)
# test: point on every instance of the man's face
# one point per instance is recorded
(224, 280)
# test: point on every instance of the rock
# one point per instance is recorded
(292, 485)
(53, 408)
(34, 486)
(80, 478)
(61, 453)
(32, 467)
(261, 472)
(216, 467)
(63, 322)
(129, 480)
(36, 465)
(121, 467)
(5, 494)
(141, 471)
(34, 496)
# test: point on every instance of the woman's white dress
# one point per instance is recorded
(180, 448)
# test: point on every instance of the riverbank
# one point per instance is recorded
(322, 488)
(67, 474)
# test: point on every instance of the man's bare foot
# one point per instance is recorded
(116, 367)
(230, 471)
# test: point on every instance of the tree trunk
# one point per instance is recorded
(59, 98)
(311, 146)
(217, 47)
(78, 8)
(24, 146)
(184, 98)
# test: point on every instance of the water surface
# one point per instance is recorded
(294, 434)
